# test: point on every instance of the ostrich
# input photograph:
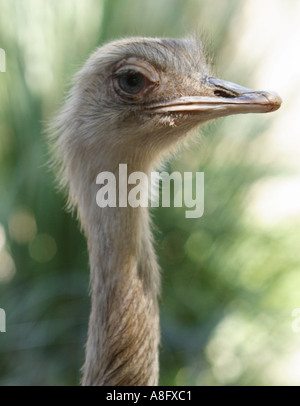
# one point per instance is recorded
(133, 102)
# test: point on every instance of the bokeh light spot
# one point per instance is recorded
(7, 267)
(22, 226)
(42, 248)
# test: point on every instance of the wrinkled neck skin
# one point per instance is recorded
(123, 334)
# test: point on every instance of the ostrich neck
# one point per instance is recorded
(123, 335)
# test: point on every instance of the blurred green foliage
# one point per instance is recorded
(228, 285)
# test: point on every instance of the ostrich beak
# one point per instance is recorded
(224, 98)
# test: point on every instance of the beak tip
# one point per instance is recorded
(274, 100)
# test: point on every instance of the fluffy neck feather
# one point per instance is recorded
(123, 334)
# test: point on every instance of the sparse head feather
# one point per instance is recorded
(179, 55)
(135, 100)
(97, 126)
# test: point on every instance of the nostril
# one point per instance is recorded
(224, 93)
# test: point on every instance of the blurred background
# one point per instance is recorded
(231, 278)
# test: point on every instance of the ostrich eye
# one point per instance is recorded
(132, 82)
(133, 79)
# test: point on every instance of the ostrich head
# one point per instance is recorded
(133, 102)
(135, 99)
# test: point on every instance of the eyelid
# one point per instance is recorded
(140, 66)
(125, 70)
